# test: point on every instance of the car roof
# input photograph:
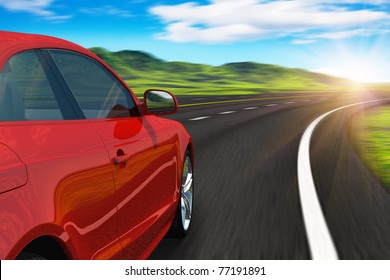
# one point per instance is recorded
(13, 42)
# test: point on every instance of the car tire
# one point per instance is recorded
(182, 221)
(29, 256)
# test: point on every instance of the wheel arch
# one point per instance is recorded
(48, 247)
(190, 148)
(49, 241)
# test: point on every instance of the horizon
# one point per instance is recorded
(226, 63)
(346, 39)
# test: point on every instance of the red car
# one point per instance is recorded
(87, 171)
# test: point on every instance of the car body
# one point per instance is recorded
(87, 170)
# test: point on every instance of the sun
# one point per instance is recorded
(362, 61)
(358, 69)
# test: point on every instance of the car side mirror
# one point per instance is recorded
(159, 102)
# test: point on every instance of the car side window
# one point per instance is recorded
(97, 91)
(25, 91)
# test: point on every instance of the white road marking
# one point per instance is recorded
(306, 100)
(271, 105)
(289, 102)
(227, 112)
(250, 108)
(320, 241)
(199, 118)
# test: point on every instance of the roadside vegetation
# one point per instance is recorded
(143, 71)
(374, 142)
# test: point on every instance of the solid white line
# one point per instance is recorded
(250, 108)
(271, 105)
(199, 118)
(226, 113)
(319, 238)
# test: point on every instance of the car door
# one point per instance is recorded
(142, 154)
(70, 184)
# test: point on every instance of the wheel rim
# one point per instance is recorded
(187, 191)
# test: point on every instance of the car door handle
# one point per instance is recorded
(121, 159)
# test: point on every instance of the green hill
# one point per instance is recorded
(142, 71)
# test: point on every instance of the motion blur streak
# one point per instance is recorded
(320, 241)
(247, 197)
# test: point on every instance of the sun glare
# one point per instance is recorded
(362, 61)
(359, 69)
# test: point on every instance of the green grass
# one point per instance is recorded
(143, 71)
(374, 142)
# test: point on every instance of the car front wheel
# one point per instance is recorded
(182, 220)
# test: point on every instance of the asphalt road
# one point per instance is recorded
(246, 188)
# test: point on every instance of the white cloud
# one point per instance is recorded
(339, 35)
(107, 10)
(370, 2)
(182, 32)
(219, 20)
(344, 34)
(37, 7)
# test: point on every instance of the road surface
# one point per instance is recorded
(247, 203)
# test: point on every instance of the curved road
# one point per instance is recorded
(247, 200)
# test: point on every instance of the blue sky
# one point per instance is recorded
(345, 38)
